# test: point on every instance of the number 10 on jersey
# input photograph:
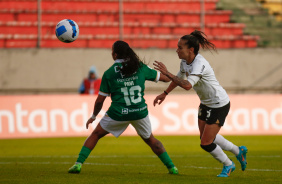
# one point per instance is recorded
(129, 95)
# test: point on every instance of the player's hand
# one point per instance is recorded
(160, 67)
(90, 120)
(159, 99)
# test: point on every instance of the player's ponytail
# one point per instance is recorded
(197, 39)
(131, 61)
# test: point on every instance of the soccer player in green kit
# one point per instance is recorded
(124, 82)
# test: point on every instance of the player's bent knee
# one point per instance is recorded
(209, 147)
(98, 134)
(147, 138)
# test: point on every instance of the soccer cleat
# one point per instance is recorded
(76, 168)
(173, 170)
(242, 157)
(226, 171)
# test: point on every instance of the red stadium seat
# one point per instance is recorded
(14, 27)
(112, 15)
(147, 23)
(137, 41)
(109, 4)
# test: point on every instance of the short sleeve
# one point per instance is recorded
(105, 86)
(150, 74)
(198, 69)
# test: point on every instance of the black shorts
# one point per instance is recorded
(213, 115)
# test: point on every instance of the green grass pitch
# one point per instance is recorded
(129, 160)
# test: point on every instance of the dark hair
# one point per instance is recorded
(131, 61)
(197, 39)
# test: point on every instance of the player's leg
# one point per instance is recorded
(158, 148)
(214, 118)
(143, 128)
(156, 145)
(239, 152)
(201, 125)
(207, 144)
(202, 117)
(87, 147)
(226, 145)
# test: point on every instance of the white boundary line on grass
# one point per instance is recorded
(110, 164)
(127, 156)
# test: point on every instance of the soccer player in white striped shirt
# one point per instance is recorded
(195, 72)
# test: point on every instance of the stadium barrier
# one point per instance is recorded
(33, 116)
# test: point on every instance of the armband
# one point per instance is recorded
(165, 92)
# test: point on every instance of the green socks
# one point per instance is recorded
(83, 154)
(166, 160)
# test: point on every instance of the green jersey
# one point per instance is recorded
(127, 92)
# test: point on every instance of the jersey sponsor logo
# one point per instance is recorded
(128, 79)
(143, 108)
(131, 83)
(124, 111)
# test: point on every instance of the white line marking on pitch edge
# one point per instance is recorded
(126, 156)
(140, 165)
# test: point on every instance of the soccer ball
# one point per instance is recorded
(67, 30)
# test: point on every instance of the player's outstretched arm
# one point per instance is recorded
(97, 108)
(160, 98)
(164, 78)
(178, 81)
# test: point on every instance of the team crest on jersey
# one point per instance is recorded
(117, 70)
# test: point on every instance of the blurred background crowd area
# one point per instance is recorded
(247, 33)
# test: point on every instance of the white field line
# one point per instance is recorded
(129, 156)
(138, 165)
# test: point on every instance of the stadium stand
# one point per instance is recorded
(258, 20)
(96, 28)
(147, 23)
(274, 7)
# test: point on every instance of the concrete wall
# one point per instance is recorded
(35, 71)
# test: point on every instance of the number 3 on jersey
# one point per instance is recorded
(129, 97)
